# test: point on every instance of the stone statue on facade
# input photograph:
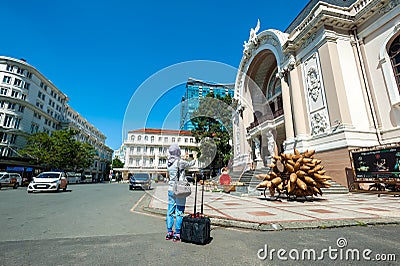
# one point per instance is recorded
(271, 143)
(257, 151)
(253, 39)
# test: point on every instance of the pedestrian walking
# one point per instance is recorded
(176, 206)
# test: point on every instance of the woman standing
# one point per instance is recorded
(176, 206)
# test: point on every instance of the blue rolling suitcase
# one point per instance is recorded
(196, 227)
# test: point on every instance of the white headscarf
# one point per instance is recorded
(174, 154)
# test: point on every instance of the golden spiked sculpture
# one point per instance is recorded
(298, 174)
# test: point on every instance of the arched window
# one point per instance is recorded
(274, 86)
(394, 54)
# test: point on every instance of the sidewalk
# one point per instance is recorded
(260, 213)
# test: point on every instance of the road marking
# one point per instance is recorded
(132, 210)
(148, 214)
(137, 203)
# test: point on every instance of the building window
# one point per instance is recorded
(133, 138)
(7, 79)
(173, 139)
(21, 108)
(274, 86)
(27, 85)
(34, 128)
(20, 70)
(394, 54)
(5, 151)
(137, 162)
(10, 68)
(17, 82)
(13, 139)
(3, 91)
(11, 106)
(40, 105)
(166, 139)
(138, 149)
(7, 121)
(15, 94)
(146, 138)
(17, 122)
(3, 137)
(139, 138)
(152, 139)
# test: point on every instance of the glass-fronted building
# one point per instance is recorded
(195, 90)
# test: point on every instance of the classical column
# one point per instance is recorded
(299, 106)
(287, 110)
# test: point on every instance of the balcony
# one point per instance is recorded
(264, 118)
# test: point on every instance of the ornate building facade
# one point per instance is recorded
(329, 82)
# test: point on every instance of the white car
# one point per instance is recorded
(48, 181)
(10, 180)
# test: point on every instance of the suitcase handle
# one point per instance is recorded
(196, 214)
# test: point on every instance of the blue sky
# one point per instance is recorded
(100, 52)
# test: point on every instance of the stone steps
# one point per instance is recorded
(336, 188)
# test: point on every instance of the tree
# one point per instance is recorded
(60, 150)
(116, 163)
(213, 120)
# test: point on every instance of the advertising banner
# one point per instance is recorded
(377, 163)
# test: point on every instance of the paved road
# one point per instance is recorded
(95, 224)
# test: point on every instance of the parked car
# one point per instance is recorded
(74, 178)
(10, 180)
(48, 181)
(140, 180)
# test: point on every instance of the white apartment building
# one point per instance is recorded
(120, 154)
(31, 103)
(90, 134)
(146, 150)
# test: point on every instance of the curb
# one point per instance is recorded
(319, 224)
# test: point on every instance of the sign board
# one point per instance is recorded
(383, 162)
